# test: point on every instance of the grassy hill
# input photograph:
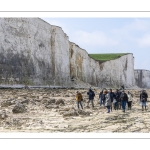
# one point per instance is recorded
(106, 57)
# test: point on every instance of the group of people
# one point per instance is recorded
(109, 99)
(117, 99)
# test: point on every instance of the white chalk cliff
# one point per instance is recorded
(142, 78)
(34, 52)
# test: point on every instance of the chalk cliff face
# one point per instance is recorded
(111, 73)
(32, 52)
(25, 50)
(36, 53)
(142, 78)
(60, 57)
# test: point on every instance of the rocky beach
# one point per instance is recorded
(55, 110)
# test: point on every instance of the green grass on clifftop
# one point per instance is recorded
(107, 57)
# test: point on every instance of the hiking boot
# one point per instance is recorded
(108, 112)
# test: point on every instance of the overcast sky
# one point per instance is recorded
(110, 35)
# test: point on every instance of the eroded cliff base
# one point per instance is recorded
(54, 110)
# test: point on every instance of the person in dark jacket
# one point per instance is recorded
(116, 99)
(111, 97)
(124, 100)
(91, 95)
(143, 99)
(119, 100)
(101, 97)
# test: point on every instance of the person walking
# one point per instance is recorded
(111, 97)
(91, 95)
(130, 97)
(116, 100)
(124, 100)
(79, 99)
(119, 100)
(100, 97)
(143, 99)
(103, 97)
(108, 101)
